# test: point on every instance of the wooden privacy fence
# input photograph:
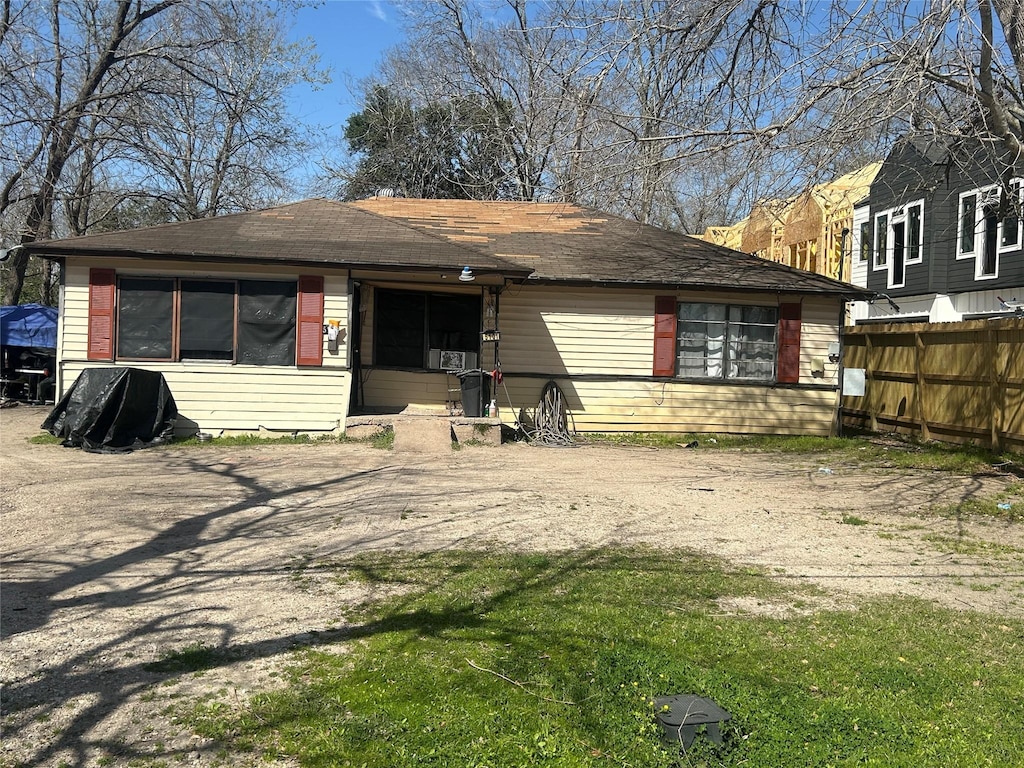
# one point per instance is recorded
(957, 382)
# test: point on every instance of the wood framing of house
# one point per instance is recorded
(811, 231)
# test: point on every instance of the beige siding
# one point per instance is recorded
(216, 397)
(228, 398)
(547, 330)
(608, 333)
(598, 346)
(390, 389)
(75, 304)
(819, 327)
(638, 406)
(577, 332)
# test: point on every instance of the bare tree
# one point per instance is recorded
(114, 101)
(111, 37)
(217, 137)
(633, 106)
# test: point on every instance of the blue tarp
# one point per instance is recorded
(28, 325)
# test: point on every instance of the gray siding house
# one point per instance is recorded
(940, 234)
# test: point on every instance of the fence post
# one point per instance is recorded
(995, 391)
(922, 402)
(869, 370)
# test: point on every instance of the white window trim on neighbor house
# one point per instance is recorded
(1006, 238)
(895, 243)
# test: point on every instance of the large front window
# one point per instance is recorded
(242, 321)
(409, 325)
(720, 341)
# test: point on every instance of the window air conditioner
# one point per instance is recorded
(451, 359)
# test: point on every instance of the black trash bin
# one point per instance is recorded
(476, 391)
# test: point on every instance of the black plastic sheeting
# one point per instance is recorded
(114, 410)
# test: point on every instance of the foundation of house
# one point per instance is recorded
(426, 432)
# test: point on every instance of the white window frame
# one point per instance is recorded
(725, 356)
(973, 252)
(880, 255)
(985, 196)
(1017, 185)
(892, 218)
(919, 204)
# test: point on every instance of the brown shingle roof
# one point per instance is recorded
(545, 241)
(311, 231)
(563, 242)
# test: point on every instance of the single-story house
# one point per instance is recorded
(293, 318)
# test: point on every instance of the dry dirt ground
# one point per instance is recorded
(111, 562)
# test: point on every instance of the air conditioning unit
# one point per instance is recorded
(451, 359)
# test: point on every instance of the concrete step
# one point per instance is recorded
(427, 433)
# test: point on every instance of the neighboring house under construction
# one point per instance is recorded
(811, 231)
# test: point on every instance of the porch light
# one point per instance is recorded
(467, 275)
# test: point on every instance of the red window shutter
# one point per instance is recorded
(789, 343)
(309, 340)
(101, 314)
(664, 335)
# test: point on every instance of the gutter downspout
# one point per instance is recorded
(842, 368)
(842, 337)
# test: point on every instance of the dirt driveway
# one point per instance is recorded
(112, 561)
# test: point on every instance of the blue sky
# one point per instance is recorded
(350, 36)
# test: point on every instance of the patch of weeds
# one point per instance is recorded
(963, 545)
(297, 571)
(1008, 505)
(256, 439)
(854, 520)
(890, 451)
(197, 657)
(44, 438)
(383, 440)
(885, 535)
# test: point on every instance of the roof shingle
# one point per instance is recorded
(539, 241)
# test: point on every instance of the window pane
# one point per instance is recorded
(988, 256)
(266, 322)
(400, 331)
(865, 241)
(899, 235)
(1011, 222)
(453, 322)
(967, 224)
(759, 315)
(881, 240)
(701, 334)
(207, 325)
(145, 317)
(752, 342)
(914, 233)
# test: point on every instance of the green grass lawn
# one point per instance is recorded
(497, 659)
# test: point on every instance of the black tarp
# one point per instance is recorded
(114, 409)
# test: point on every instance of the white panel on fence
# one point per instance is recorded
(853, 382)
